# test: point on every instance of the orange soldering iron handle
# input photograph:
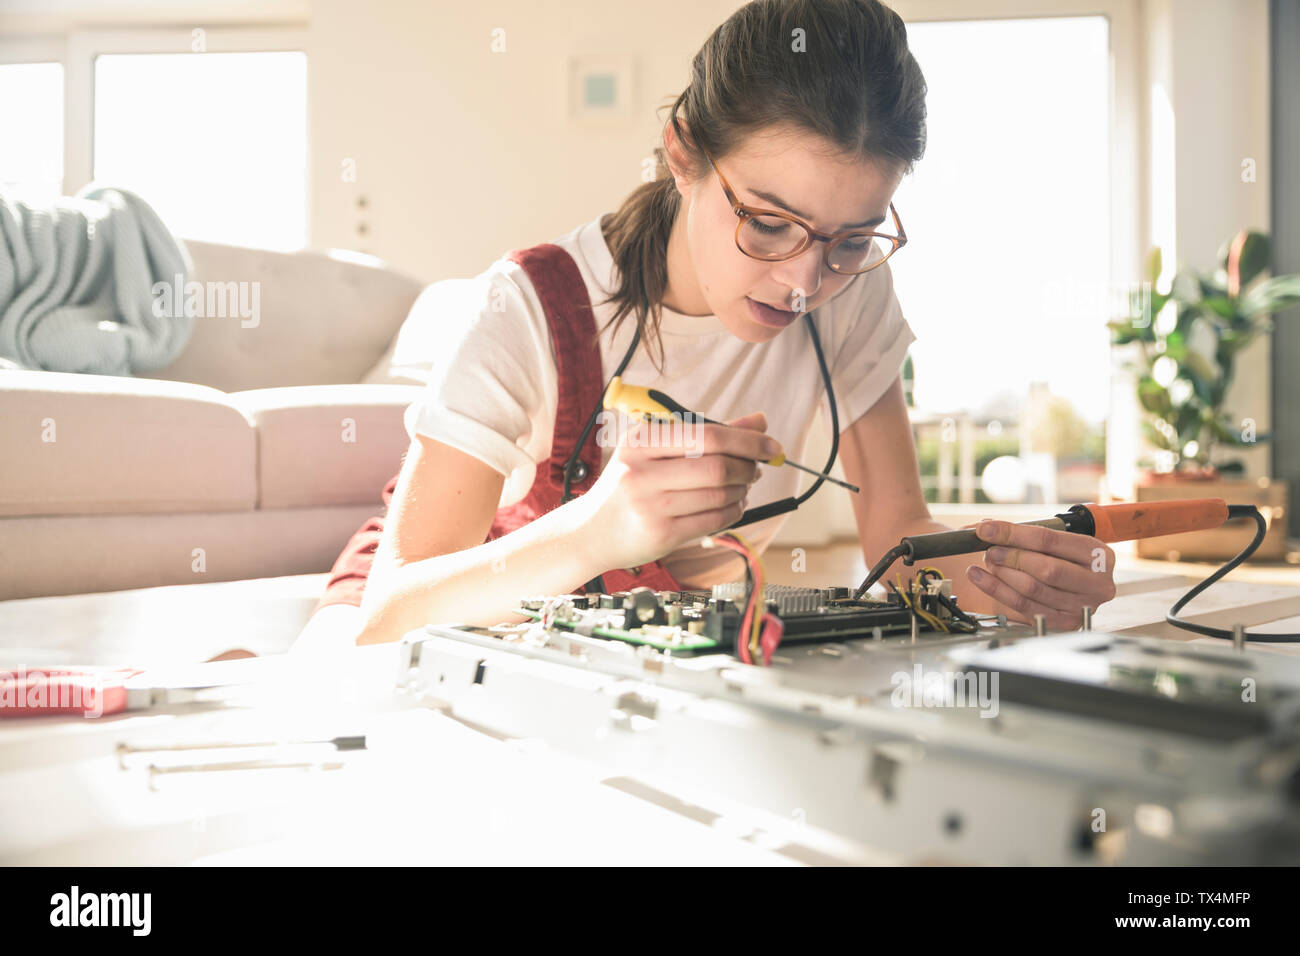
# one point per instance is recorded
(1151, 519)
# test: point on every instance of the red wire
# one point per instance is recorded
(751, 606)
(742, 643)
(773, 631)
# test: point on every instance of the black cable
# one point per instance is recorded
(835, 415)
(957, 612)
(781, 506)
(1234, 511)
(568, 495)
(597, 583)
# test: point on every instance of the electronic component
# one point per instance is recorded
(704, 622)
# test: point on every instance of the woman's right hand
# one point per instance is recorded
(649, 501)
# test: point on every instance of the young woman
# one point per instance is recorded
(755, 258)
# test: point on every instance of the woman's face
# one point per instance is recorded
(778, 168)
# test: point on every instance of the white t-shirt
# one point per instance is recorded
(492, 390)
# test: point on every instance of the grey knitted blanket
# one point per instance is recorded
(76, 284)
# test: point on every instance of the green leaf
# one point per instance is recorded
(1220, 305)
(1154, 396)
(1212, 287)
(1199, 366)
(1272, 295)
(1187, 422)
(1156, 438)
(1154, 265)
(1176, 346)
(1187, 317)
(1255, 257)
(1221, 431)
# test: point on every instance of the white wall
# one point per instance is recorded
(462, 153)
(54, 16)
(1207, 108)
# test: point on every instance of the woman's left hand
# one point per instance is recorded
(1035, 570)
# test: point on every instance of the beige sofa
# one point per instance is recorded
(257, 453)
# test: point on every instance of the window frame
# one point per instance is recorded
(1127, 176)
(1127, 186)
(85, 46)
(77, 49)
(41, 49)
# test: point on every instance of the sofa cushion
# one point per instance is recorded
(322, 445)
(102, 444)
(288, 318)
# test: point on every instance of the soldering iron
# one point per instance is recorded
(1118, 522)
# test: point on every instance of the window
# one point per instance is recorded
(31, 149)
(1007, 279)
(209, 126)
(215, 142)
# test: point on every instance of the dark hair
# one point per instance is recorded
(839, 69)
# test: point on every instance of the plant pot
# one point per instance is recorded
(1226, 541)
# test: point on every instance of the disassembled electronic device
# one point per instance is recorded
(908, 725)
(999, 747)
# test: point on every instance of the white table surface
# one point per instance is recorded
(428, 790)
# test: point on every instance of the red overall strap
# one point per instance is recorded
(351, 568)
(567, 306)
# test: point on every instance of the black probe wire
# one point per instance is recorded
(1234, 511)
(835, 414)
(774, 508)
(568, 495)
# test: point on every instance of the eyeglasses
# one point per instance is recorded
(775, 236)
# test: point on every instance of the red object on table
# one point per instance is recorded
(64, 691)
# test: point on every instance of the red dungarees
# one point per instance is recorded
(564, 299)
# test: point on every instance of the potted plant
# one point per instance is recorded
(1185, 340)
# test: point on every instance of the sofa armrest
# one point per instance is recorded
(104, 444)
(324, 445)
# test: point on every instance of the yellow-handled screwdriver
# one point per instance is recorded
(638, 401)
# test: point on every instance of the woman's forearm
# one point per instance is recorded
(482, 585)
